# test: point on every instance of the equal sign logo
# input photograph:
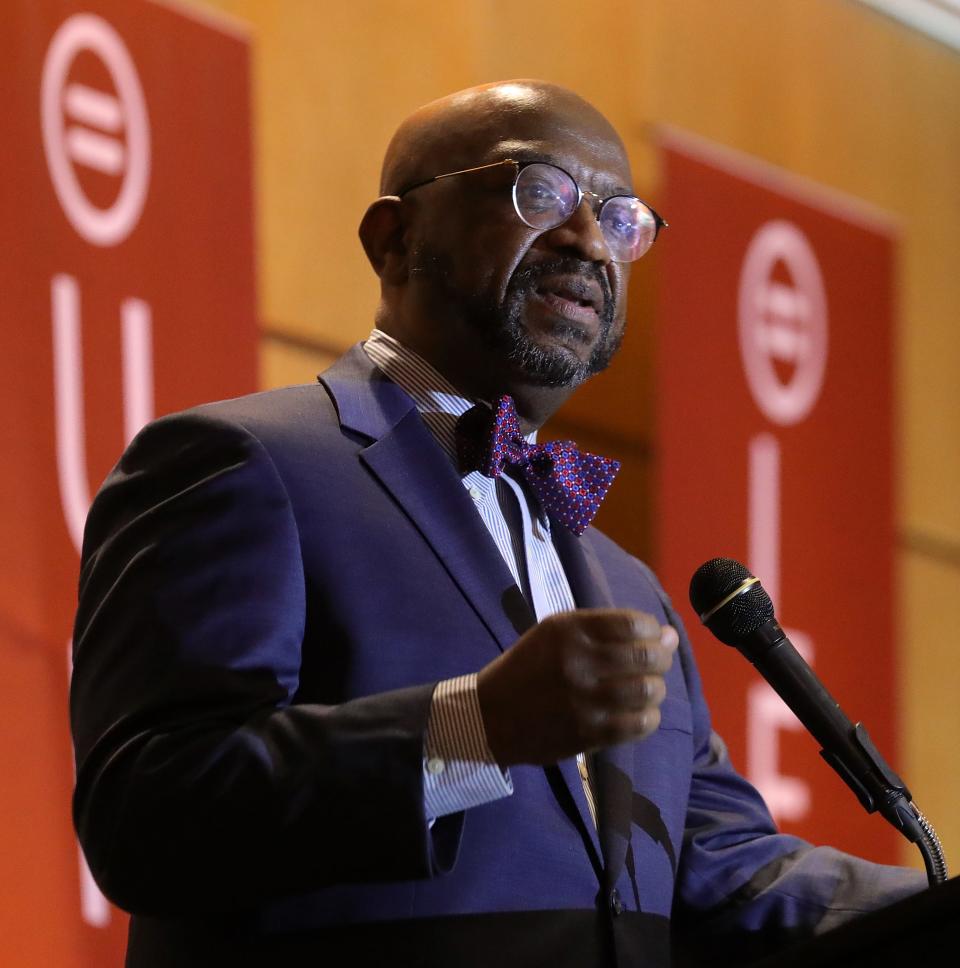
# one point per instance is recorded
(104, 131)
(98, 118)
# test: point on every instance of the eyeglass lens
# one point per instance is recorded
(546, 196)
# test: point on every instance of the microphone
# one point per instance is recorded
(734, 606)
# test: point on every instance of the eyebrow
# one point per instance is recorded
(531, 156)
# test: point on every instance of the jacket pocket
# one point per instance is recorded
(676, 714)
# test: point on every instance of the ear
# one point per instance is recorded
(381, 233)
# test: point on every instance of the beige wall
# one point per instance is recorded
(826, 88)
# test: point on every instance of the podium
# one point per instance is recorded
(918, 931)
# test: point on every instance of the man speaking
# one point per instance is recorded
(355, 678)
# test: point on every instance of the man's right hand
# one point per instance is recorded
(575, 682)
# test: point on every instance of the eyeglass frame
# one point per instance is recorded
(596, 207)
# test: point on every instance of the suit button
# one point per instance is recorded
(616, 905)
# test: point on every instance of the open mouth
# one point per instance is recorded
(576, 299)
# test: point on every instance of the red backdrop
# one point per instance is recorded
(128, 291)
(774, 447)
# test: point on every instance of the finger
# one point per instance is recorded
(669, 637)
(650, 653)
(615, 624)
(640, 657)
(626, 693)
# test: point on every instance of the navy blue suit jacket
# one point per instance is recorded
(270, 589)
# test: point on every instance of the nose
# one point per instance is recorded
(581, 234)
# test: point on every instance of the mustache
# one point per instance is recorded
(526, 278)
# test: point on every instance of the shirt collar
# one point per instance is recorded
(439, 403)
(437, 400)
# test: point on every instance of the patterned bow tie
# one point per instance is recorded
(569, 484)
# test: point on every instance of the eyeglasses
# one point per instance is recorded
(545, 196)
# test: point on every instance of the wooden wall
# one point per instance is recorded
(829, 89)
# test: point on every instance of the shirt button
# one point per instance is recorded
(474, 492)
(435, 766)
(616, 905)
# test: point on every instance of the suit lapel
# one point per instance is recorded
(611, 768)
(428, 490)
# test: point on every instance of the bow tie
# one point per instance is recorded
(569, 484)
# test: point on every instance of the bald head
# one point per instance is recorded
(495, 303)
(479, 124)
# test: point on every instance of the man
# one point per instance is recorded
(346, 686)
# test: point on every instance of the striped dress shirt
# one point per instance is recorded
(459, 769)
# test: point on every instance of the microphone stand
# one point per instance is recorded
(856, 759)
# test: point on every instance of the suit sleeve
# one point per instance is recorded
(739, 878)
(200, 783)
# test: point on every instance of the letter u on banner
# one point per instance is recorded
(136, 325)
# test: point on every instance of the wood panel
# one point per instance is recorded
(930, 676)
(285, 361)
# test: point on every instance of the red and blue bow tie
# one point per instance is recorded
(569, 484)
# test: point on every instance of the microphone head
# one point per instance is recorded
(729, 600)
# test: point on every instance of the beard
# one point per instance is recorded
(553, 365)
(499, 324)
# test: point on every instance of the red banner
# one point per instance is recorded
(774, 435)
(128, 291)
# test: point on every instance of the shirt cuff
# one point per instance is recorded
(459, 770)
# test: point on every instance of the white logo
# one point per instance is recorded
(782, 309)
(87, 127)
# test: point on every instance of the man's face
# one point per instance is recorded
(551, 305)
